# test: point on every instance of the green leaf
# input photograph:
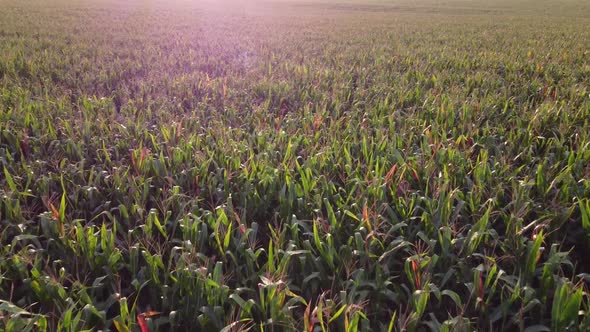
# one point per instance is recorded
(227, 238)
(271, 258)
(62, 208)
(534, 252)
(454, 296)
(420, 300)
(585, 212)
(245, 306)
(392, 322)
(338, 313)
(9, 179)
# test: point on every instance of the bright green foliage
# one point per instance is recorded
(294, 166)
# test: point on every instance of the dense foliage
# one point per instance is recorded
(294, 166)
